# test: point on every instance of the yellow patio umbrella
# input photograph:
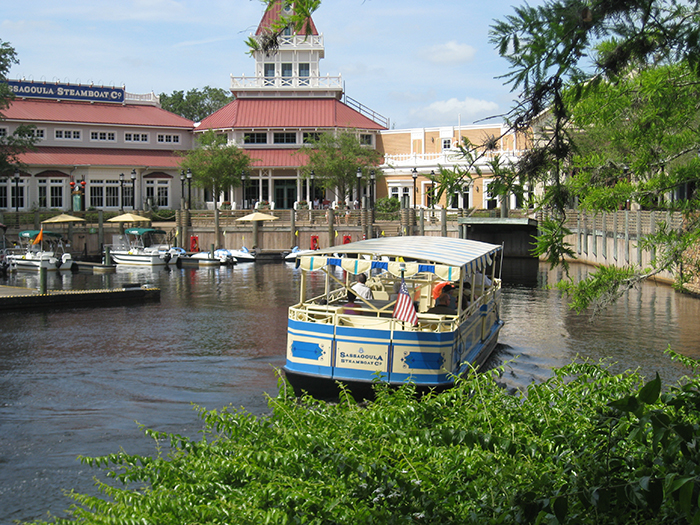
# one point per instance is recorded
(129, 217)
(63, 218)
(257, 216)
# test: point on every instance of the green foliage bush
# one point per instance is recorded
(586, 446)
(387, 208)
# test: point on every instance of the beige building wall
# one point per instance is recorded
(425, 150)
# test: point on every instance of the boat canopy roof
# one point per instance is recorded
(444, 256)
(142, 231)
(30, 234)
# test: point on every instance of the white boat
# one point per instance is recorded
(222, 256)
(327, 342)
(296, 252)
(48, 252)
(144, 247)
(243, 255)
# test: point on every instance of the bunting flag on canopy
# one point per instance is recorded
(404, 309)
(39, 237)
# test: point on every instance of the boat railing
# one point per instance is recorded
(373, 317)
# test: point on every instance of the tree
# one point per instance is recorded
(196, 105)
(215, 164)
(575, 65)
(297, 19)
(335, 158)
(22, 139)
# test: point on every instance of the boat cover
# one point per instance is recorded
(443, 256)
(30, 234)
(142, 231)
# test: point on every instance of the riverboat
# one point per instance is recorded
(143, 247)
(394, 337)
(39, 249)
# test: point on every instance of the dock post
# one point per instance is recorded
(443, 221)
(108, 256)
(211, 251)
(217, 226)
(331, 230)
(293, 228)
(42, 280)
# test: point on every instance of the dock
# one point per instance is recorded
(16, 298)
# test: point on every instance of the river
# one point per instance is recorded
(81, 381)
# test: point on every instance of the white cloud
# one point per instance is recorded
(449, 112)
(451, 52)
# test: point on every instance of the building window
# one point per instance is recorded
(128, 196)
(168, 139)
(255, 138)
(50, 193)
(446, 143)
(286, 138)
(135, 137)
(157, 193)
(311, 136)
(3, 196)
(97, 194)
(287, 73)
(17, 197)
(103, 136)
(365, 139)
(67, 134)
(269, 70)
(3, 132)
(112, 194)
(37, 133)
(57, 196)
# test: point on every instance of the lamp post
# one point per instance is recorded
(359, 180)
(244, 178)
(312, 197)
(133, 189)
(371, 189)
(414, 173)
(17, 176)
(182, 188)
(432, 191)
(189, 188)
(121, 192)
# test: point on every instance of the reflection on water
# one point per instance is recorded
(77, 381)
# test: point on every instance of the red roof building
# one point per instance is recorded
(279, 107)
(126, 149)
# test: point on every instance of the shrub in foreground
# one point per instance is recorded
(585, 446)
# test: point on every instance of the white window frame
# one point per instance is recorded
(168, 138)
(67, 134)
(38, 133)
(102, 136)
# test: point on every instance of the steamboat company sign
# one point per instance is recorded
(58, 91)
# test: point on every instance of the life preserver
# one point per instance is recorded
(194, 243)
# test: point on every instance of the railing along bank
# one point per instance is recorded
(612, 238)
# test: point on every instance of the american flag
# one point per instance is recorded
(404, 308)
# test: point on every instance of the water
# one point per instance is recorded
(81, 381)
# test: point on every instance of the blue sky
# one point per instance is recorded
(419, 63)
